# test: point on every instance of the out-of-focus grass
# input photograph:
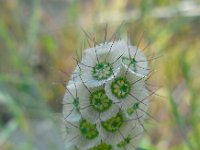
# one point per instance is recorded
(39, 38)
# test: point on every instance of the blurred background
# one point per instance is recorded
(39, 38)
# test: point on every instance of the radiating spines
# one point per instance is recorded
(116, 128)
(81, 134)
(130, 140)
(71, 102)
(139, 107)
(99, 64)
(126, 89)
(112, 127)
(98, 105)
(90, 103)
(133, 59)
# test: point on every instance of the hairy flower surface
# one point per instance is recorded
(99, 64)
(106, 100)
(80, 101)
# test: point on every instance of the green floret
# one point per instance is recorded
(76, 103)
(100, 101)
(124, 142)
(88, 130)
(114, 123)
(132, 109)
(102, 146)
(102, 71)
(130, 62)
(120, 87)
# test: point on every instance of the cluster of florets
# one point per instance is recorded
(106, 101)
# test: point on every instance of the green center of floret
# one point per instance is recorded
(102, 146)
(124, 142)
(88, 130)
(102, 71)
(76, 103)
(132, 109)
(100, 101)
(114, 123)
(130, 63)
(120, 87)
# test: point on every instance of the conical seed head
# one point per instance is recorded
(106, 100)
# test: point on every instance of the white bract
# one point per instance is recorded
(106, 101)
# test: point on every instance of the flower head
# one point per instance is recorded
(106, 100)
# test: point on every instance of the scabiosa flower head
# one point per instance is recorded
(106, 100)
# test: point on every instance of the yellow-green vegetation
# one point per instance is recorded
(38, 39)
